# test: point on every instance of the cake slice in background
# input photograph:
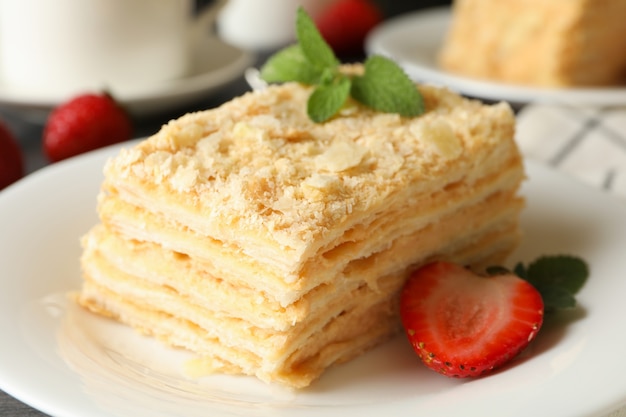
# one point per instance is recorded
(554, 43)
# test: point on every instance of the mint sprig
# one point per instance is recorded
(558, 278)
(383, 86)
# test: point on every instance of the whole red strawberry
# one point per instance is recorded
(345, 24)
(11, 159)
(84, 123)
(462, 325)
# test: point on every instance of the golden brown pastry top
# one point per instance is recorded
(258, 162)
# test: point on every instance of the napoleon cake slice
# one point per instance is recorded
(273, 246)
(557, 43)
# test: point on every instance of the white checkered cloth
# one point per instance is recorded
(587, 143)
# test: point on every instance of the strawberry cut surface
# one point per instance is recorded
(462, 324)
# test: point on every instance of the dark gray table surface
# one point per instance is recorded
(10, 407)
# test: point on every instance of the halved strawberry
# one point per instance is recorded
(462, 324)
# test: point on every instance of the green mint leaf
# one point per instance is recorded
(520, 271)
(556, 298)
(567, 272)
(314, 48)
(557, 278)
(385, 87)
(290, 64)
(327, 99)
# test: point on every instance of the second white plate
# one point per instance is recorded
(414, 40)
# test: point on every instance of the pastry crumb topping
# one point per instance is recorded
(260, 159)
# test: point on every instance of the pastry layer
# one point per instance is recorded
(242, 269)
(349, 322)
(247, 299)
(257, 176)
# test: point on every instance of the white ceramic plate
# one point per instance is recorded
(69, 363)
(414, 40)
(214, 65)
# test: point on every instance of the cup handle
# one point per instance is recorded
(204, 19)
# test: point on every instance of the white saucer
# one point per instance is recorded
(413, 40)
(214, 65)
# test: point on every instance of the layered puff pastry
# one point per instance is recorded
(276, 247)
(555, 43)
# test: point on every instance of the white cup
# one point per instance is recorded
(263, 25)
(66, 46)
